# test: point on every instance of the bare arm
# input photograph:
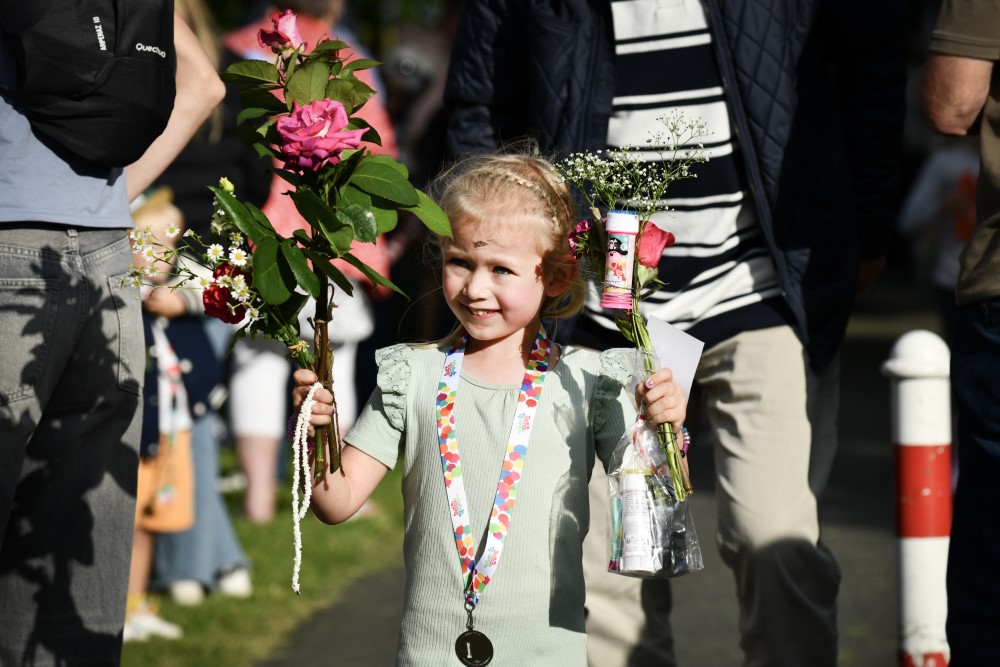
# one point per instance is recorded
(954, 91)
(336, 497)
(199, 91)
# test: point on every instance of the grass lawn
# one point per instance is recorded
(225, 632)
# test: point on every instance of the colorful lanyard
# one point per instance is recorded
(477, 576)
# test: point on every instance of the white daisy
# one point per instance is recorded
(215, 253)
(237, 256)
(242, 294)
(173, 230)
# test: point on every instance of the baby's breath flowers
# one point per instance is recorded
(637, 181)
(627, 178)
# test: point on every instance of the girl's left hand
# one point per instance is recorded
(663, 398)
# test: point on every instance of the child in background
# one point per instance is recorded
(515, 586)
(164, 501)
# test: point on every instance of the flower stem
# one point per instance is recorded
(664, 432)
(327, 437)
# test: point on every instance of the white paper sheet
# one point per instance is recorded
(676, 350)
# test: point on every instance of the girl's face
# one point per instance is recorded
(493, 281)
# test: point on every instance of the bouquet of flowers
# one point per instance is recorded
(622, 246)
(299, 111)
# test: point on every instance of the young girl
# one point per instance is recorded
(495, 414)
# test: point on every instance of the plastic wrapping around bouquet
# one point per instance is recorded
(622, 228)
(652, 533)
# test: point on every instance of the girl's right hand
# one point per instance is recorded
(322, 411)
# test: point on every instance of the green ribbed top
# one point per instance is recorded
(532, 610)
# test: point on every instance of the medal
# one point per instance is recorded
(472, 647)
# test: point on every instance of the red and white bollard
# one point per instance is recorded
(921, 432)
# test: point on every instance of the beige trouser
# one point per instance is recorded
(774, 423)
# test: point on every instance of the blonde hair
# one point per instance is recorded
(519, 189)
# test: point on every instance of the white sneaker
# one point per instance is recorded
(187, 592)
(133, 633)
(236, 583)
(142, 624)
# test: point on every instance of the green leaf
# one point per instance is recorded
(271, 274)
(377, 178)
(242, 217)
(372, 275)
(332, 272)
(431, 215)
(286, 175)
(261, 219)
(383, 209)
(268, 132)
(360, 63)
(330, 45)
(263, 150)
(300, 268)
(625, 327)
(361, 219)
(309, 82)
(371, 136)
(352, 196)
(263, 98)
(322, 217)
(390, 161)
(645, 274)
(349, 161)
(385, 219)
(251, 71)
(250, 114)
(351, 92)
(303, 238)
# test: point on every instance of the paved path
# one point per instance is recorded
(858, 525)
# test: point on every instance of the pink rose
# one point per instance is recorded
(651, 244)
(216, 298)
(313, 135)
(285, 34)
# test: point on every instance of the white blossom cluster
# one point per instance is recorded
(206, 256)
(627, 178)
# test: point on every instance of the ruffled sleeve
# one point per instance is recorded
(379, 429)
(393, 380)
(613, 404)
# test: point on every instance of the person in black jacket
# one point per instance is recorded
(787, 221)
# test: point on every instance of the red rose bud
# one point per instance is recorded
(285, 34)
(314, 135)
(652, 242)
